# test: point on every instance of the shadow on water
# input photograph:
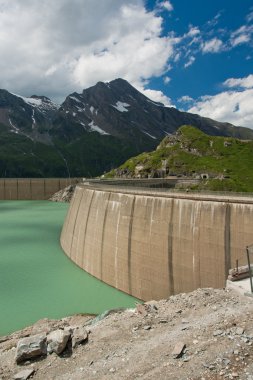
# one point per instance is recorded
(37, 280)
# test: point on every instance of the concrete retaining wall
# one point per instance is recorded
(153, 245)
(32, 188)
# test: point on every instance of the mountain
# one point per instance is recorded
(90, 132)
(220, 163)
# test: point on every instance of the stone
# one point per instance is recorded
(178, 350)
(142, 309)
(147, 327)
(79, 336)
(217, 332)
(24, 375)
(31, 347)
(163, 320)
(57, 341)
(239, 331)
(226, 361)
(151, 306)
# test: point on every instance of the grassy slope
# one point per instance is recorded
(192, 152)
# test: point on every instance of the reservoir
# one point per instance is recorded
(37, 280)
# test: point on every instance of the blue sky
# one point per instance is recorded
(221, 49)
(193, 54)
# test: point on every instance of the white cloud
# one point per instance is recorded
(229, 106)
(242, 35)
(166, 5)
(246, 82)
(156, 96)
(214, 21)
(56, 47)
(249, 17)
(185, 99)
(177, 57)
(214, 45)
(166, 80)
(193, 31)
(242, 39)
(190, 61)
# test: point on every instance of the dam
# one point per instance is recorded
(153, 243)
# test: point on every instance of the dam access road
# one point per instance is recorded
(153, 243)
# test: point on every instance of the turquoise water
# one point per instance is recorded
(37, 280)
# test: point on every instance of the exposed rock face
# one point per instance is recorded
(31, 347)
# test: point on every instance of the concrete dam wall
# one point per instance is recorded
(32, 188)
(154, 244)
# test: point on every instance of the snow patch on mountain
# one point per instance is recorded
(14, 128)
(76, 99)
(33, 119)
(148, 134)
(31, 101)
(95, 128)
(38, 102)
(121, 107)
(79, 109)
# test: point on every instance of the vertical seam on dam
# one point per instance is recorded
(170, 250)
(129, 263)
(74, 228)
(197, 274)
(103, 235)
(86, 224)
(227, 239)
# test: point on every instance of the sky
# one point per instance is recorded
(194, 55)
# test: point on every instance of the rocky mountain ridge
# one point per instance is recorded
(89, 132)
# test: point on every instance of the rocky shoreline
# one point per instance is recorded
(64, 195)
(206, 334)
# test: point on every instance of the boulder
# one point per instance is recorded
(79, 336)
(57, 341)
(31, 347)
(178, 350)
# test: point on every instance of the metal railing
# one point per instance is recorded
(249, 251)
(165, 188)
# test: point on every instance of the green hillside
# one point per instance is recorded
(222, 163)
